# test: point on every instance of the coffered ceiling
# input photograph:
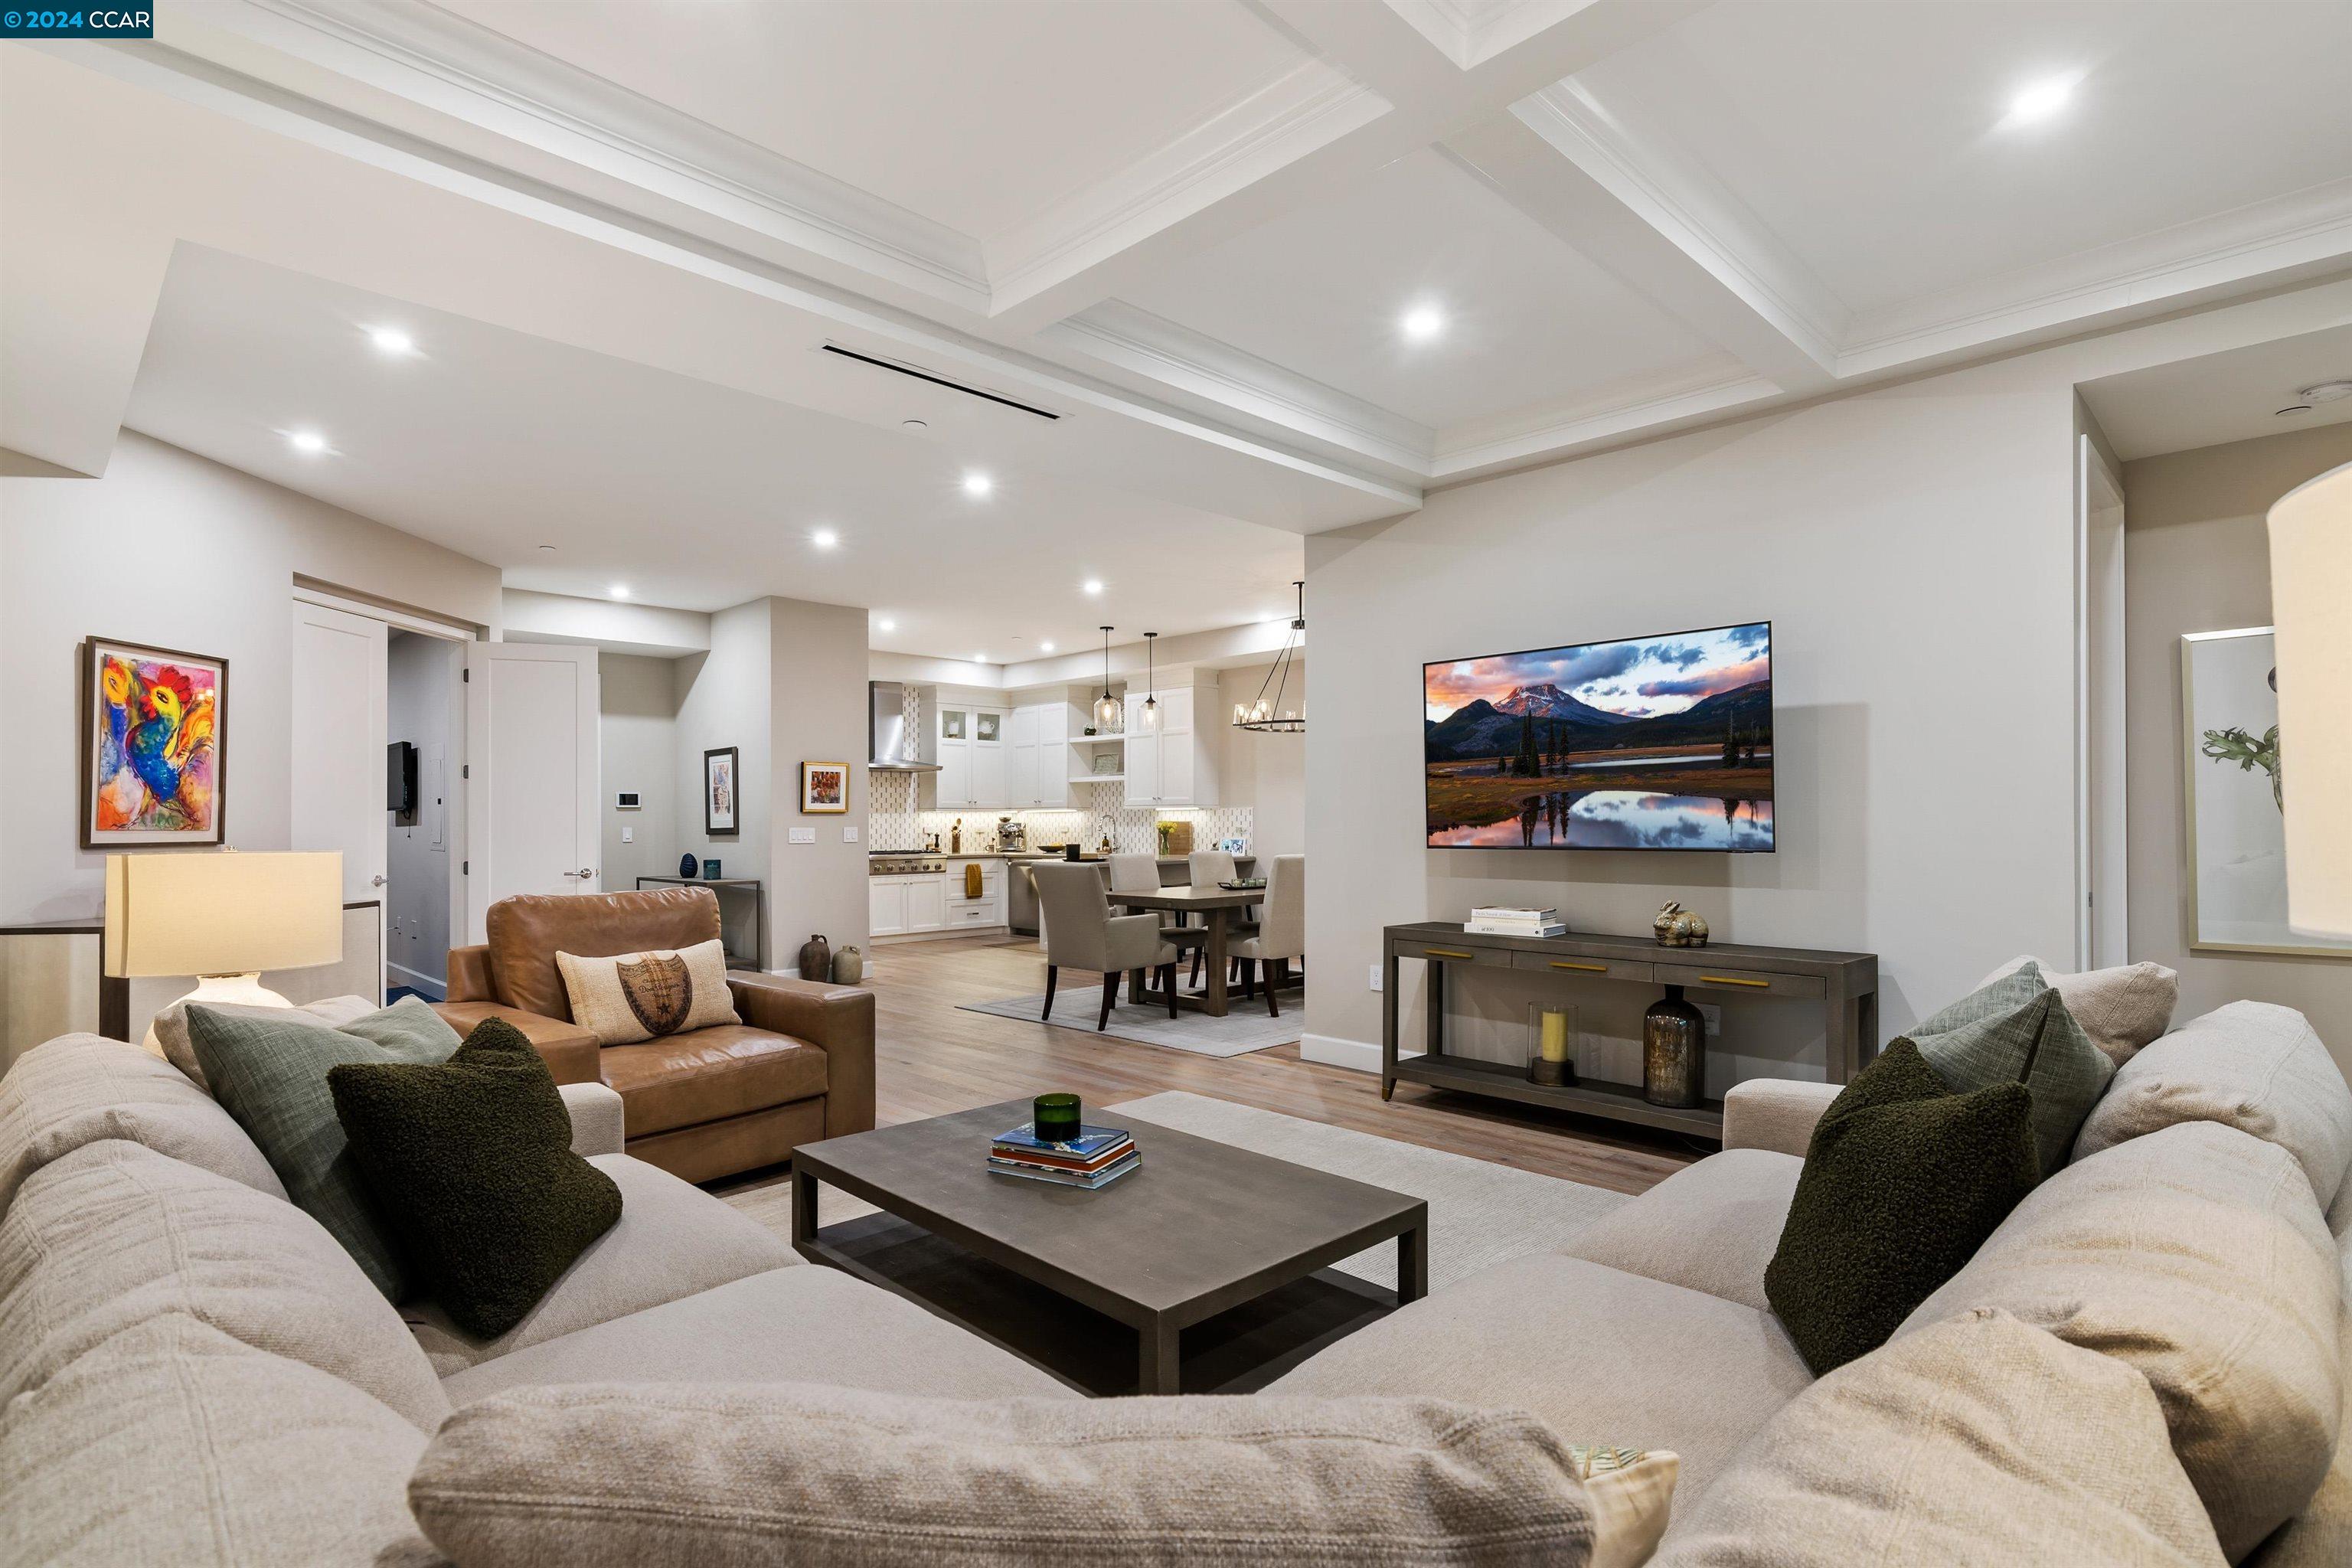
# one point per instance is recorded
(1196, 228)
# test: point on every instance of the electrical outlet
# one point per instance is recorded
(1713, 1014)
(1375, 980)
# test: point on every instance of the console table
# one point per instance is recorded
(719, 885)
(1844, 984)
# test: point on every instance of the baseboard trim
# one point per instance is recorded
(1333, 1051)
(416, 980)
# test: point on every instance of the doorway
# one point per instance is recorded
(423, 712)
(2102, 926)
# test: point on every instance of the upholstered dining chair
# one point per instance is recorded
(1209, 867)
(1282, 935)
(1082, 933)
(1140, 874)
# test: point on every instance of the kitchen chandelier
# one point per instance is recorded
(1106, 714)
(1268, 715)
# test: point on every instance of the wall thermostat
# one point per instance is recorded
(627, 800)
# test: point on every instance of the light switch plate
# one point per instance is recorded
(803, 836)
(848, 834)
(628, 835)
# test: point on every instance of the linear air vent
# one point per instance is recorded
(896, 368)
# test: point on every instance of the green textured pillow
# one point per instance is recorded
(1904, 1181)
(2017, 1030)
(472, 1161)
(271, 1075)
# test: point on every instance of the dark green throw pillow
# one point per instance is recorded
(472, 1162)
(2017, 1030)
(1904, 1181)
(270, 1073)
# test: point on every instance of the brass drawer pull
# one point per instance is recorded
(1585, 968)
(1731, 980)
(1447, 952)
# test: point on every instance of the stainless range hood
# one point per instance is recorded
(892, 746)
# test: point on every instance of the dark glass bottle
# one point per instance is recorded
(1674, 1051)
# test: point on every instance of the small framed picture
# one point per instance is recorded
(824, 788)
(154, 745)
(723, 781)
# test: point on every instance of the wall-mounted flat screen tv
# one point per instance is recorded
(1655, 743)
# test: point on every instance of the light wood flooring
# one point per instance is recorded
(933, 1059)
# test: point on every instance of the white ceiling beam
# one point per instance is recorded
(1662, 227)
(1380, 88)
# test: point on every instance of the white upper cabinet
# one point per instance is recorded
(1174, 763)
(991, 759)
(1039, 748)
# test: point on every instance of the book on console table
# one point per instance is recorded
(1510, 920)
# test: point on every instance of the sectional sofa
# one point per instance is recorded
(2146, 1363)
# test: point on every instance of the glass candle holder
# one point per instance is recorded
(1055, 1117)
(1551, 1044)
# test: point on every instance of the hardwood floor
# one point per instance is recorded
(933, 1059)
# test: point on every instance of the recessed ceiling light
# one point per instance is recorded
(2325, 391)
(2041, 99)
(978, 484)
(307, 441)
(2292, 408)
(620, 590)
(392, 340)
(824, 539)
(547, 550)
(1092, 585)
(1423, 322)
(887, 626)
(916, 424)
(980, 658)
(1046, 647)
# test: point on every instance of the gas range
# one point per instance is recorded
(903, 862)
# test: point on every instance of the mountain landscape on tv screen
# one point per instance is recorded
(1646, 743)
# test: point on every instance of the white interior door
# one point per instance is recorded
(531, 824)
(338, 734)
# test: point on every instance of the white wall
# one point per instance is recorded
(819, 714)
(421, 708)
(1265, 773)
(2198, 560)
(176, 551)
(638, 740)
(723, 700)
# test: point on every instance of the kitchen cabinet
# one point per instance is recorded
(1174, 763)
(929, 901)
(973, 760)
(926, 903)
(1038, 748)
(886, 906)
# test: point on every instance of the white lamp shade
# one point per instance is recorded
(225, 914)
(2311, 608)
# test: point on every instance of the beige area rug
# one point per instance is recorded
(1245, 1028)
(1480, 1214)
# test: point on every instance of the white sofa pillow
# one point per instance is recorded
(717, 1475)
(635, 997)
(2122, 1009)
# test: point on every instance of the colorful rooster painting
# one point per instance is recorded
(154, 744)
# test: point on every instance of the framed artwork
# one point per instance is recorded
(2237, 835)
(154, 745)
(824, 788)
(721, 784)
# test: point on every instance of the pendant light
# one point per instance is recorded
(1106, 713)
(1268, 716)
(1150, 684)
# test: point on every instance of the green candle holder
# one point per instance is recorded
(1055, 1117)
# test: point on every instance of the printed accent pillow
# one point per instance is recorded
(2018, 1030)
(635, 997)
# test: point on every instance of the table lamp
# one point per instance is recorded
(2311, 610)
(223, 918)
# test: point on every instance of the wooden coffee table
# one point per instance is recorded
(1204, 1236)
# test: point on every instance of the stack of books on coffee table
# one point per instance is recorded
(1511, 920)
(1096, 1157)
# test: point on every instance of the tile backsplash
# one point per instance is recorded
(894, 822)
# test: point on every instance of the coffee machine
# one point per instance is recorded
(1012, 836)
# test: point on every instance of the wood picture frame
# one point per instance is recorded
(722, 791)
(181, 700)
(824, 789)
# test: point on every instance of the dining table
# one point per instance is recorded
(1217, 907)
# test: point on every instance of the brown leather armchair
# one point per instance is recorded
(702, 1104)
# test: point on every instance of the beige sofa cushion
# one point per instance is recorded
(1977, 1443)
(672, 1240)
(1598, 1354)
(78, 1088)
(715, 1475)
(114, 1235)
(173, 1443)
(2197, 1256)
(1711, 1226)
(2122, 1009)
(2252, 1065)
(171, 1025)
(787, 1325)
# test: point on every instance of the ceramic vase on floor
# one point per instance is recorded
(817, 958)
